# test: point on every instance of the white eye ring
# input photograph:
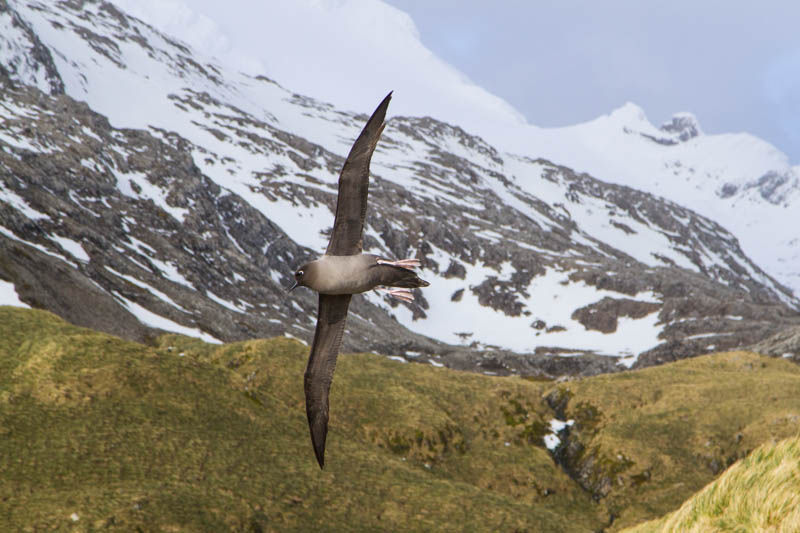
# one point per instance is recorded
(299, 274)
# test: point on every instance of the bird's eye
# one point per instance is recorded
(299, 274)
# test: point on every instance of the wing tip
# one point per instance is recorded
(382, 107)
(318, 436)
(320, 457)
(318, 427)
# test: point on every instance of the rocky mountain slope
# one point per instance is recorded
(736, 179)
(144, 188)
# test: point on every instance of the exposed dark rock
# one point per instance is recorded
(684, 126)
(544, 363)
(728, 190)
(785, 343)
(45, 282)
(455, 270)
(602, 316)
(499, 296)
(770, 186)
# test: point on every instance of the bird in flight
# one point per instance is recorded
(343, 271)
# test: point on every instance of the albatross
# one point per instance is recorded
(345, 270)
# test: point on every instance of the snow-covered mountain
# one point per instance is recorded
(183, 193)
(737, 180)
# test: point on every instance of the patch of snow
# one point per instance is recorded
(142, 246)
(127, 183)
(8, 233)
(89, 133)
(287, 334)
(155, 292)
(20, 204)
(157, 321)
(552, 440)
(551, 297)
(707, 335)
(72, 247)
(226, 303)
(170, 271)
(9, 296)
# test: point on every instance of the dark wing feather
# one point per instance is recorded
(393, 276)
(321, 364)
(351, 206)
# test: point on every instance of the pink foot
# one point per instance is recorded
(408, 264)
(401, 294)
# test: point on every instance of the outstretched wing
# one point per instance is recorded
(321, 364)
(351, 207)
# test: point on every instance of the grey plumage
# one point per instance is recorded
(317, 380)
(351, 204)
(351, 274)
(344, 271)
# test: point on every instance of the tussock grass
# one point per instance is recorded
(654, 437)
(758, 494)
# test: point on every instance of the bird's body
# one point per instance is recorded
(343, 271)
(353, 274)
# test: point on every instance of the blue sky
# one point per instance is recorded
(734, 64)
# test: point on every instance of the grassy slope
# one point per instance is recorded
(125, 436)
(759, 493)
(131, 436)
(656, 436)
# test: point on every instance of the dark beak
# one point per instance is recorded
(293, 287)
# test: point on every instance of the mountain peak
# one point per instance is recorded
(629, 114)
(633, 119)
(683, 125)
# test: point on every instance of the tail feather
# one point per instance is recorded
(394, 276)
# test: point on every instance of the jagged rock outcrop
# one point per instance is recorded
(785, 343)
(682, 125)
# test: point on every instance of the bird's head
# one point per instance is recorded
(301, 276)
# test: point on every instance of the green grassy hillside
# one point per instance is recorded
(189, 436)
(645, 441)
(759, 493)
(100, 433)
